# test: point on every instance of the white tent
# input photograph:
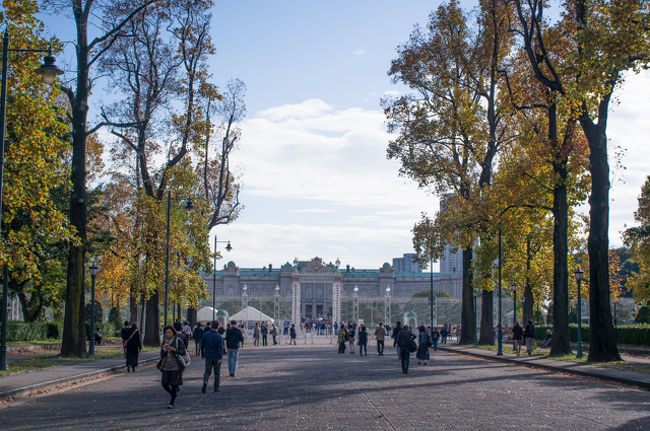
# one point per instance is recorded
(205, 314)
(250, 314)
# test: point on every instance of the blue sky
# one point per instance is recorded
(312, 156)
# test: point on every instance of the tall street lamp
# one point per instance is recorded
(355, 304)
(214, 273)
(188, 206)
(500, 327)
(579, 273)
(244, 301)
(387, 305)
(48, 72)
(476, 294)
(94, 268)
(431, 293)
(513, 288)
(276, 303)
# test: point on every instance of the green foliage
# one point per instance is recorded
(115, 318)
(643, 315)
(33, 331)
(635, 335)
(98, 312)
(638, 239)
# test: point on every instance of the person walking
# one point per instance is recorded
(363, 340)
(342, 335)
(351, 338)
(396, 331)
(256, 335)
(292, 334)
(132, 347)
(196, 336)
(265, 332)
(234, 338)
(212, 352)
(517, 337)
(435, 337)
(529, 336)
(169, 364)
(404, 344)
(274, 334)
(443, 334)
(380, 334)
(424, 342)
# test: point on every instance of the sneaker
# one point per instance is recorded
(232, 374)
(204, 387)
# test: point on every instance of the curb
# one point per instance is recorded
(25, 391)
(596, 374)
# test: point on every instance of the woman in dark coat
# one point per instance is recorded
(423, 346)
(133, 347)
(169, 364)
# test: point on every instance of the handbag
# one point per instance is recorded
(184, 359)
(412, 346)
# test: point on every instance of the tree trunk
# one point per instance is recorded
(152, 321)
(74, 329)
(192, 316)
(527, 303)
(486, 333)
(467, 310)
(602, 339)
(133, 308)
(560, 344)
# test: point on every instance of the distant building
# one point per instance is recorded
(406, 263)
(452, 256)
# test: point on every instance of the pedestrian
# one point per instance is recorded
(405, 346)
(234, 338)
(125, 332)
(396, 331)
(529, 336)
(351, 338)
(98, 336)
(342, 335)
(443, 334)
(517, 337)
(292, 334)
(212, 352)
(363, 340)
(548, 339)
(196, 336)
(132, 347)
(256, 334)
(424, 342)
(380, 334)
(265, 332)
(435, 337)
(187, 332)
(274, 334)
(169, 364)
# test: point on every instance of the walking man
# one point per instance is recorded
(380, 334)
(233, 338)
(197, 334)
(292, 334)
(404, 339)
(212, 352)
(265, 332)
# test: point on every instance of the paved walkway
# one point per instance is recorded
(310, 387)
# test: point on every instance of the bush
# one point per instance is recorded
(33, 331)
(637, 335)
(643, 315)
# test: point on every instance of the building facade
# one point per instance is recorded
(406, 264)
(316, 284)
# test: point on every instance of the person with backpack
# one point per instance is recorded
(529, 336)
(406, 345)
(363, 340)
(169, 364)
(234, 338)
(423, 346)
(435, 337)
(212, 352)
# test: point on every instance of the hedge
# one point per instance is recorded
(637, 335)
(33, 331)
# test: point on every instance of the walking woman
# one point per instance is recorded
(424, 342)
(169, 364)
(517, 336)
(132, 345)
(341, 338)
(351, 338)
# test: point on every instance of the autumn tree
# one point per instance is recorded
(638, 238)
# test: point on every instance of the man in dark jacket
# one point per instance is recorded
(196, 335)
(403, 339)
(529, 336)
(233, 338)
(212, 352)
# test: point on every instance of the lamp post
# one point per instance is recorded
(188, 206)
(244, 300)
(513, 288)
(475, 318)
(431, 293)
(48, 72)
(276, 303)
(579, 273)
(387, 305)
(500, 327)
(93, 273)
(214, 274)
(355, 304)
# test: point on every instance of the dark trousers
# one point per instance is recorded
(380, 347)
(405, 358)
(342, 347)
(197, 347)
(363, 347)
(211, 364)
(264, 340)
(274, 340)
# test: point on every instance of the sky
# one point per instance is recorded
(312, 158)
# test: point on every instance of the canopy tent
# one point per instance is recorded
(205, 314)
(251, 314)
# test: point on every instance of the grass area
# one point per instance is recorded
(29, 365)
(33, 343)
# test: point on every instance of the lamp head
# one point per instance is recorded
(228, 246)
(338, 262)
(94, 268)
(579, 273)
(189, 205)
(48, 70)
